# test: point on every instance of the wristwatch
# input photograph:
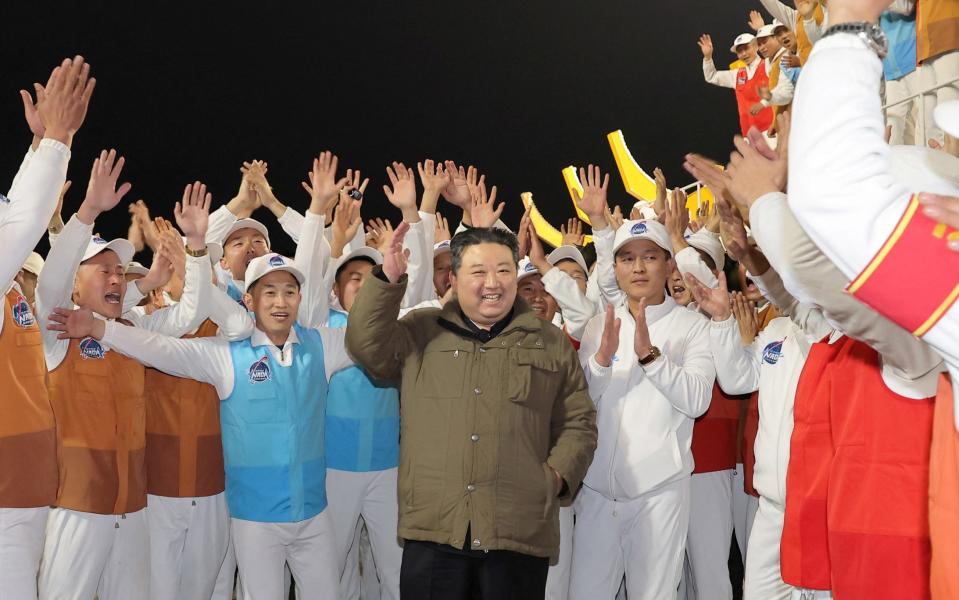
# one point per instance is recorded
(654, 353)
(196, 253)
(870, 33)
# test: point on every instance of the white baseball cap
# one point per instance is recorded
(268, 263)
(742, 38)
(767, 30)
(648, 229)
(361, 252)
(135, 268)
(947, 117)
(709, 243)
(525, 269)
(567, 252)
(247, 224)
(123, 248)
(34, 264)
(441, 247)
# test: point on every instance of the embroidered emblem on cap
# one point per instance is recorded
(277, 261)
(21, 313)
(4, 199)
(529, 268)
(91, 348)
(773, 352)
(98, 240)
(638, 228)
(260, 371)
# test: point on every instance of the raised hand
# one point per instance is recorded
(746, 317)
(614, 218)
(380, 234)
(483, 210)
(56, 219)
(593, 198)
(102, 192)
(755, 21)
(572, 232)
(641, 341)
(75, 324)
(30, 112)
(457, 191)
(661, 190)
(66, 98)
(395, 258)
(523, 231)
(323, 183)
(435, 179)
(752, 175)
(609, 343)
(192, 214)
(163, 268)
(706, 45)
(537, 255)
(677, 219)
(141, 214)
(346, 222)
(170, 246)
(354, 181)
(442, 233)
(402, 195)
(732, 230)
(254, 174)
(715, 301)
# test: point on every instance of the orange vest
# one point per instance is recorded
(944, 496)
(802, 40)
(804, 548)
(28, 439)
(937, 28)
(774, 75)
(878, 497)
(184, 452)
(747, 94)
(715, 433)
(98, 402)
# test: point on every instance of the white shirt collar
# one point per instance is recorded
(260, 339)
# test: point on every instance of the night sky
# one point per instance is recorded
(519, 89)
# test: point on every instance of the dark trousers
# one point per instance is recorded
(434, 572)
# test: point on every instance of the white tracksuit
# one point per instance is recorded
(633, 511)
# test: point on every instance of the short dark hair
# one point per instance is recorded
(339, 270)
(481, 235)
(249, 290)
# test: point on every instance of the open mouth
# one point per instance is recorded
(678, 289)
(280, 316)
(491, 298)
(112, 298)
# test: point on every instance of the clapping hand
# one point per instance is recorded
(715, 301)
(609, 343)
(395, 257)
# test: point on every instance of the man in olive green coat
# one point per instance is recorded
(497, 427)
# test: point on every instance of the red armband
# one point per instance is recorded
(914, 278)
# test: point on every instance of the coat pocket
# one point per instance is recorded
(533, 378)
(444, 369)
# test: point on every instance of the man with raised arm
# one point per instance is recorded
(29, 487)
(746, 80)
(497, 427)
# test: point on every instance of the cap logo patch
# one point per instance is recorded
(277, 261)
(98, 240)
(529, 268)
(638, 228)
(4, 199)
(773, 352)
(21, 313)
(260, 371)
(91, 349)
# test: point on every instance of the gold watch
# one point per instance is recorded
(196, 253)
(654, 353)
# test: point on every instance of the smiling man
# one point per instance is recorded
(497, 427)
(245, 240)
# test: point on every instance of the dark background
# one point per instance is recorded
(519, 89)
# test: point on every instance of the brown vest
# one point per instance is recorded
(937, 28)
(774, 75)
(98, 401)
(184, 453)
(28, 439)
(802, 40)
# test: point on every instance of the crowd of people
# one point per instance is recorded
(423, 411)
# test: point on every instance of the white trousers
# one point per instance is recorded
(763, 575)
(710, 533)
(904, 117)
(557, 580)
(226, 578)
(88, 554)
(21, 546)
(372, 496)
(189, 538)
(643, 538)
(308, 547)
(744, 510)
(935, 71)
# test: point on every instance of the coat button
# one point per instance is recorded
(477, 391)
(539, 342)
(475, 437)
(503, 343)
(482, 350)
(471, 488)
(476, 542)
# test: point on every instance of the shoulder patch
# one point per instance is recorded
(22, 315)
